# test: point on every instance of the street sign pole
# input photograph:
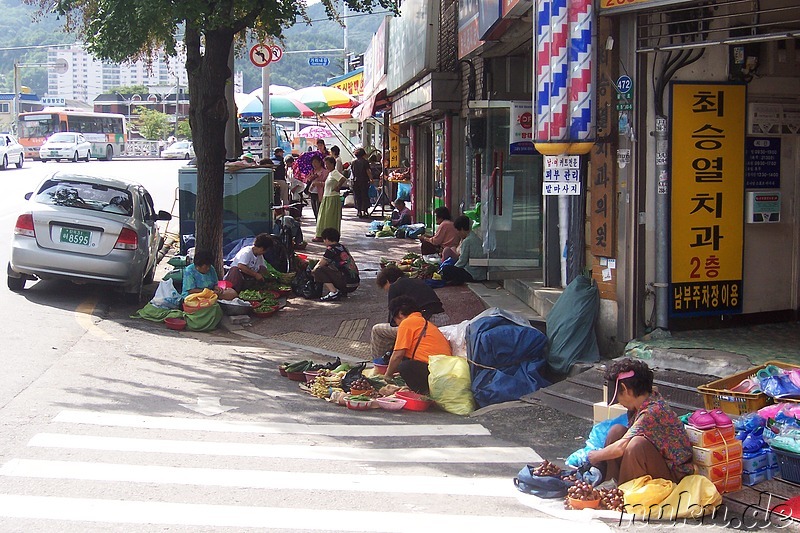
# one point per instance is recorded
(266, 120)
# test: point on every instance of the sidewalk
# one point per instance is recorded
(343, 327)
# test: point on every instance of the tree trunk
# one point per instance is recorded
(208, 73)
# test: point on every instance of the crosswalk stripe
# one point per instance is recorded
(333, 430)
(258, 479)
(138, 512)
(484, 454)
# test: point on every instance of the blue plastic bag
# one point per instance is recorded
(596, 440)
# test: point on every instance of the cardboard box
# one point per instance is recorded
(722, 471)
(732, 485)
(707, 438)
(603, 412)
(717, 454)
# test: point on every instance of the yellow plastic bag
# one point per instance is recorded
(694, 497)
(202, 299)
(450, 384)
(643, 492)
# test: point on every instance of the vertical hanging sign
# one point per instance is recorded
(707, 202)
(521, 137)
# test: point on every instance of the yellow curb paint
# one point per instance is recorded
(83, 316)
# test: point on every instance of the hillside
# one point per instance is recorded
(19, 29)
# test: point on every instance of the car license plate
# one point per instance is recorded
(76, 236)
(53, 152)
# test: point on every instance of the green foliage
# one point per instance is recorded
(129, 89)
(184, 131)
(152, 124)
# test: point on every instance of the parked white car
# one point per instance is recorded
(65, 145)
(11, 152)
(179, 150)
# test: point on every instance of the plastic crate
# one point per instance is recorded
(789, 465)
(717, 394)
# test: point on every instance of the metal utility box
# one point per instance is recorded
(247, 200)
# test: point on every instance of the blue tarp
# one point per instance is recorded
(513, 350)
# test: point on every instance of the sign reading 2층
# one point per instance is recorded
(707, 204)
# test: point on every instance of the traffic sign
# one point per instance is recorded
(318, 61)
(624, 84)
(61, 66)
(261, 55)
(277, 53)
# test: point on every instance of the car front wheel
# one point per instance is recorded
(75, 157)
(4, 164)
(21, 161)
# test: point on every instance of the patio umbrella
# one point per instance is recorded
(321, 99)
(279, 107)
(314, 132)
(273, 89)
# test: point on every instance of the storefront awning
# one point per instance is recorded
(375, 103)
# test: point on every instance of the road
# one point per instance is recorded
(116, 424)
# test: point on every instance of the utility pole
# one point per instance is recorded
(17, 90)
(344, 49)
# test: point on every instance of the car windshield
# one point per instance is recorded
(92, 196)
(180, 146)
(63, 138)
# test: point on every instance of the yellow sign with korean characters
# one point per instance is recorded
(707, 198)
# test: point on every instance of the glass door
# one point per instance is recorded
(511, 206)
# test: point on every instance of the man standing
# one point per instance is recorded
(361, 181)
(279, 175)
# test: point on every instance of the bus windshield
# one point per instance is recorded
(41, 125)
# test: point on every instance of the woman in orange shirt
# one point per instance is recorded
(417, 339)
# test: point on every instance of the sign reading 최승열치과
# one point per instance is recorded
(707, 204)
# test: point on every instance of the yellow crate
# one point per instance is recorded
(717, 394)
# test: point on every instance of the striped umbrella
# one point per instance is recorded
(279, 107)
(322, 99)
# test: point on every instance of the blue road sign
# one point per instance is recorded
(318, 61)
(624, 84)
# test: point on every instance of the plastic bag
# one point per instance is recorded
(694, 497)
(450, 384)
(642, 492)
(166, 297)
(596, 440)
(456, 335)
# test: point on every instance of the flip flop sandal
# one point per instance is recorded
(701, 419)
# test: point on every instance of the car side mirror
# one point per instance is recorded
(28, 195)
(163, 215)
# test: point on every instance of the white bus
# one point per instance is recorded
(106, 131)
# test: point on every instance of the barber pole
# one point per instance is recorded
(552, 32)
(563, 69)
(580, 64)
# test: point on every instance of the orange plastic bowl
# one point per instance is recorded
(583, 504)
(414, 401)
(175, 323)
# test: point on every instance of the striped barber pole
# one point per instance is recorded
(580, 73)
(552, 70)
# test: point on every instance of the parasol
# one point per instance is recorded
(322, 99)
(273, 89)
(279, 107)
(314, 132)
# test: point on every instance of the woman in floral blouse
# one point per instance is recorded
(656, 443)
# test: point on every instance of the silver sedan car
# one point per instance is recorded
(87, 229)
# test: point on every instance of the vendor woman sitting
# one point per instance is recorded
(201, 275)
(417, 339)
(655, 444)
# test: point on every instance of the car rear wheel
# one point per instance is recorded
(4, 164)
(16, 284)
(21, 161)
(75, 157)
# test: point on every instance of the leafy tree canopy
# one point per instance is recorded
(152, 124)
(130, 89)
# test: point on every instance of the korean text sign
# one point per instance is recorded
(707, 198)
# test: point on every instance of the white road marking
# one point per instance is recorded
(485, 454)
(259, 479)
(332, 430)
(137, 512)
